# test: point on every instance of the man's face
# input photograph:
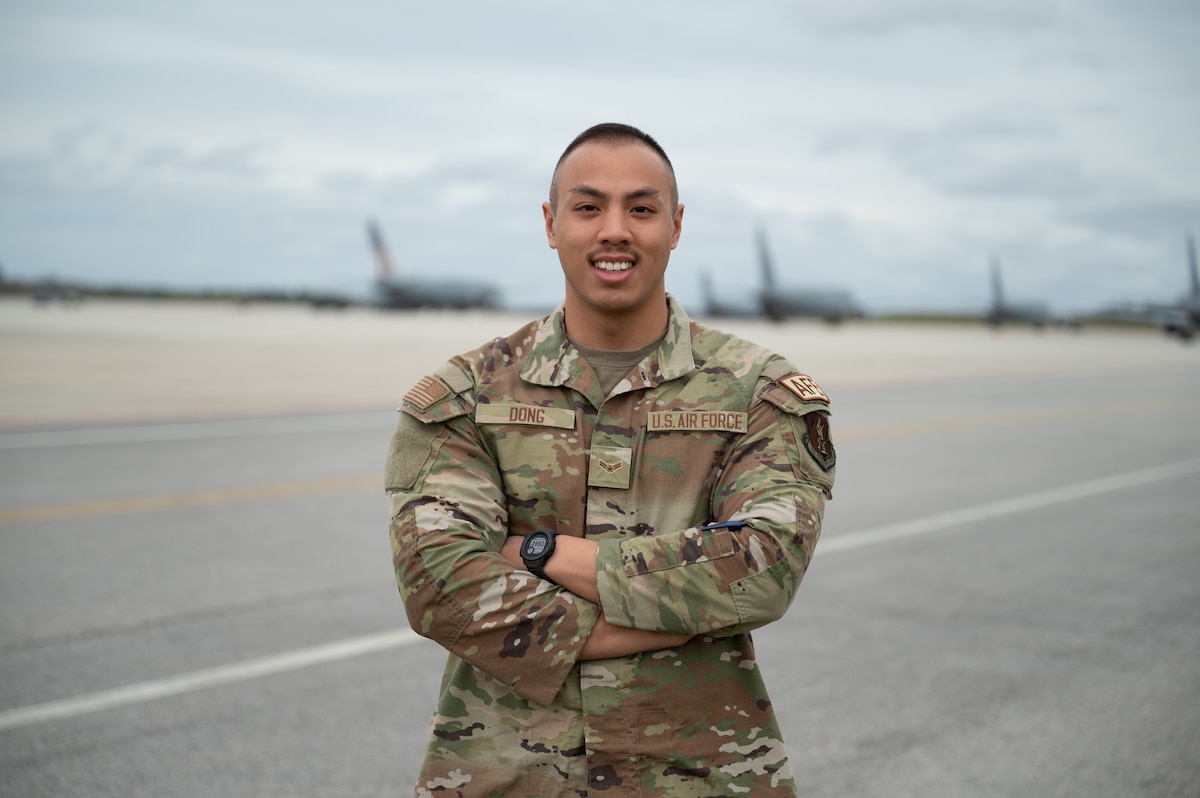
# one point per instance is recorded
(614, 227)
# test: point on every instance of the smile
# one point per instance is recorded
(616, 266)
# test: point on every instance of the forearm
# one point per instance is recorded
(607, 641)
(573, 567)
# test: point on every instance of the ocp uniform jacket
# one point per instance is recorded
(703, 476)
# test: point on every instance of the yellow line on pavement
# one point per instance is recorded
(59, 512)
(173, 501)
(899, 430)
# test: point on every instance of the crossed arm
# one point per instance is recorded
(573, 566)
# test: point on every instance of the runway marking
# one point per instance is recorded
(145, 504)
(997, 509)
(991, 420)
(168, 432)
(200, 680)
(61, 512)
(369, 644)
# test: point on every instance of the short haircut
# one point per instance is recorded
(614, 133)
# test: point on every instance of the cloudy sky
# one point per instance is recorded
(889, 147)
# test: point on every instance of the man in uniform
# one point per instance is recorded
(592, 513)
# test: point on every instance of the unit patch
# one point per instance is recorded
(696, 420)
(804, 387)
(818, 442)
(534, 415)
(426, 393)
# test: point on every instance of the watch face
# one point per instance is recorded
(535, 545)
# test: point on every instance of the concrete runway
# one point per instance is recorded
(198, 599)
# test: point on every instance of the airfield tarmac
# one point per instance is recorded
(133, 361)
(198, 600)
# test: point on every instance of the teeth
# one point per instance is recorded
(613, 267)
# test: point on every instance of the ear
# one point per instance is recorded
(678, 222)
(548, 213)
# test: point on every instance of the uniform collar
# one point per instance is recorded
(554, 361)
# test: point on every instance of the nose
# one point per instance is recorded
(614, 228)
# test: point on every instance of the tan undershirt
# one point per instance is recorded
(611, 366)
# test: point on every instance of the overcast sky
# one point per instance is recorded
(891, 148)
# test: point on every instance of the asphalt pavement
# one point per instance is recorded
(1004, 600)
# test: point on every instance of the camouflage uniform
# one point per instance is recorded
(703, 476)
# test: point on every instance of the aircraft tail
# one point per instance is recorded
(997, 287)
(764, 261)
(706, 289)
(383, 259)
(1191, 242)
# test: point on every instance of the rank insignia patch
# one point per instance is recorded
(610, 467)
(818, 442)
(426, 393)
(804, 387)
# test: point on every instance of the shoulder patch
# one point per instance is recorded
(804, 387)
(818, 442)
(426, 393)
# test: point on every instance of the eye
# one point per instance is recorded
(642, 210)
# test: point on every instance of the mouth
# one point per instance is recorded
(613, 266)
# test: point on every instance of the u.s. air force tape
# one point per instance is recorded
(696, 420)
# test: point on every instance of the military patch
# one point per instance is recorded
(610, 467)
(818, 442)
(426, 393)
(804, 387)
(535, 415)
(696, 421)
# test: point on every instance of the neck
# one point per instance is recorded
(615, 332)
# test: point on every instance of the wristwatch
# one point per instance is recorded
(536, 550)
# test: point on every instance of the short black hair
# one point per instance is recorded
(614, 133)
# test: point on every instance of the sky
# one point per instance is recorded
(891, 148)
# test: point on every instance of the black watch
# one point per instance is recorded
(536, 550)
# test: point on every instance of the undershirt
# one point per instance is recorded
(610, 365)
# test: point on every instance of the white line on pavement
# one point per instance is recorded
(211, 677)
(368, 644)
(1017, 504)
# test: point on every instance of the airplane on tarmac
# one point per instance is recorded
(401, 293)
(1003, 312)
(1189, 306)
(1180, 319)
(779, 302)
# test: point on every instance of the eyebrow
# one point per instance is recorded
(642, 193)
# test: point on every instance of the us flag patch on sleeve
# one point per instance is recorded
(426, 393)
(805, 388)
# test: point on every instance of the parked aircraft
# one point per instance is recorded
(1003, 312)
(1190, 304)
(403, 293)
(1180, 319)
(778, 302)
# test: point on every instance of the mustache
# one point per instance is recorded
(627, 252)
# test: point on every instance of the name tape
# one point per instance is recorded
(533, 415)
